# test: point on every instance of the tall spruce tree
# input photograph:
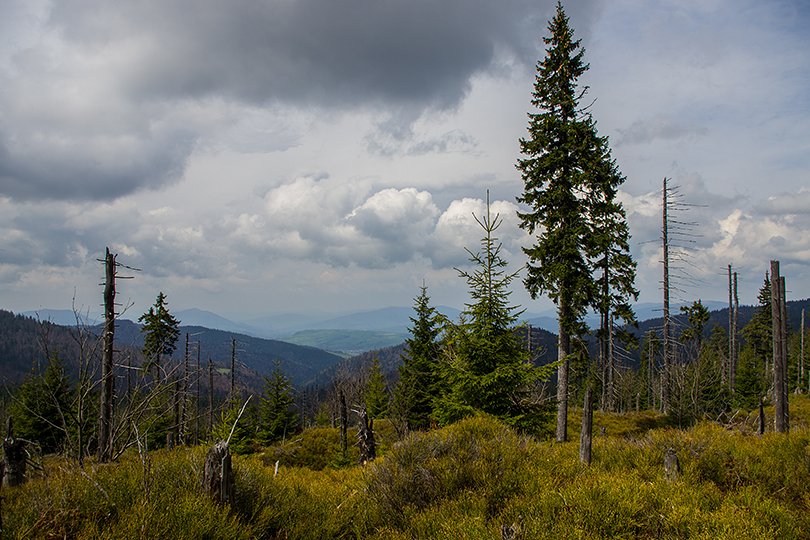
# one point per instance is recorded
(569, 188)
(418, 373)
(486, 365)
(161, 331)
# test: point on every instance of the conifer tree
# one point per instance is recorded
(41, 407)
(418, 373)
(697, 315)
(376, 394)
(486, 365)
(570, 182)
(161, 331)
(751, 382)
(277, 416)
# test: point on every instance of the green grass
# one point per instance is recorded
(473, 479)
(347, 342)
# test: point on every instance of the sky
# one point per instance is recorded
(319, 156)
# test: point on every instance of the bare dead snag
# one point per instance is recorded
(672, 467)
(14, 456)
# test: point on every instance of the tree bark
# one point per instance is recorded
(107, 379)
(217, 479)
(563, 349)
(801, 353)
(344, 423)
(667, 359)
(672, 467)
(779, 375)
(13, 458)
(734, 352)
(586, 433)
(365, 438)
(725, 373)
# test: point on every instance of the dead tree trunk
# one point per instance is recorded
(667, 345)
(197, 402)
(801, 356)
(733, 353)
(210, 397)
(344, 423)
(176, 403)
(233, 368)
(365, 438)
(182, 427)
(672, 467)
(725, 372)
(107, 379)
(217, 479)
(14, 456)
(586, 433)
(781, 424)
(784, 334)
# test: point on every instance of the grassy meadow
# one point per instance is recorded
(475, 479)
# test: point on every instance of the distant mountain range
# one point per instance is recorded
(22, 341)
(21, 337)
(347, 334)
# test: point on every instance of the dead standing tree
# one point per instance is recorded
(675, 234)
(107, 379)
(107, 394)
(779, 337)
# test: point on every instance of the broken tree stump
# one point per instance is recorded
(365, 438)
(672, 467)
(14, 456)
(218, 480)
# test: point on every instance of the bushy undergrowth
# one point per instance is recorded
(474, 479)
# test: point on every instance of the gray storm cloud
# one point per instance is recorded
(90, 107)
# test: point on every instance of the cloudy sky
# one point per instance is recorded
(257, 157)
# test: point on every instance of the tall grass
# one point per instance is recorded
(475, 479)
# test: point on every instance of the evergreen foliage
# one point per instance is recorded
(277, 415)
(376, 392)
(696, 315)
(418, 374)
(486, 367)
(41, 407)
(560, 153)
(755, 354)
(570, 184)
(161, 331)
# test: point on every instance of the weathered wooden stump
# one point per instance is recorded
(218, 480)
(170, 441)
(14, 457)
(365, 438)
(586, 433)
(672, 467)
